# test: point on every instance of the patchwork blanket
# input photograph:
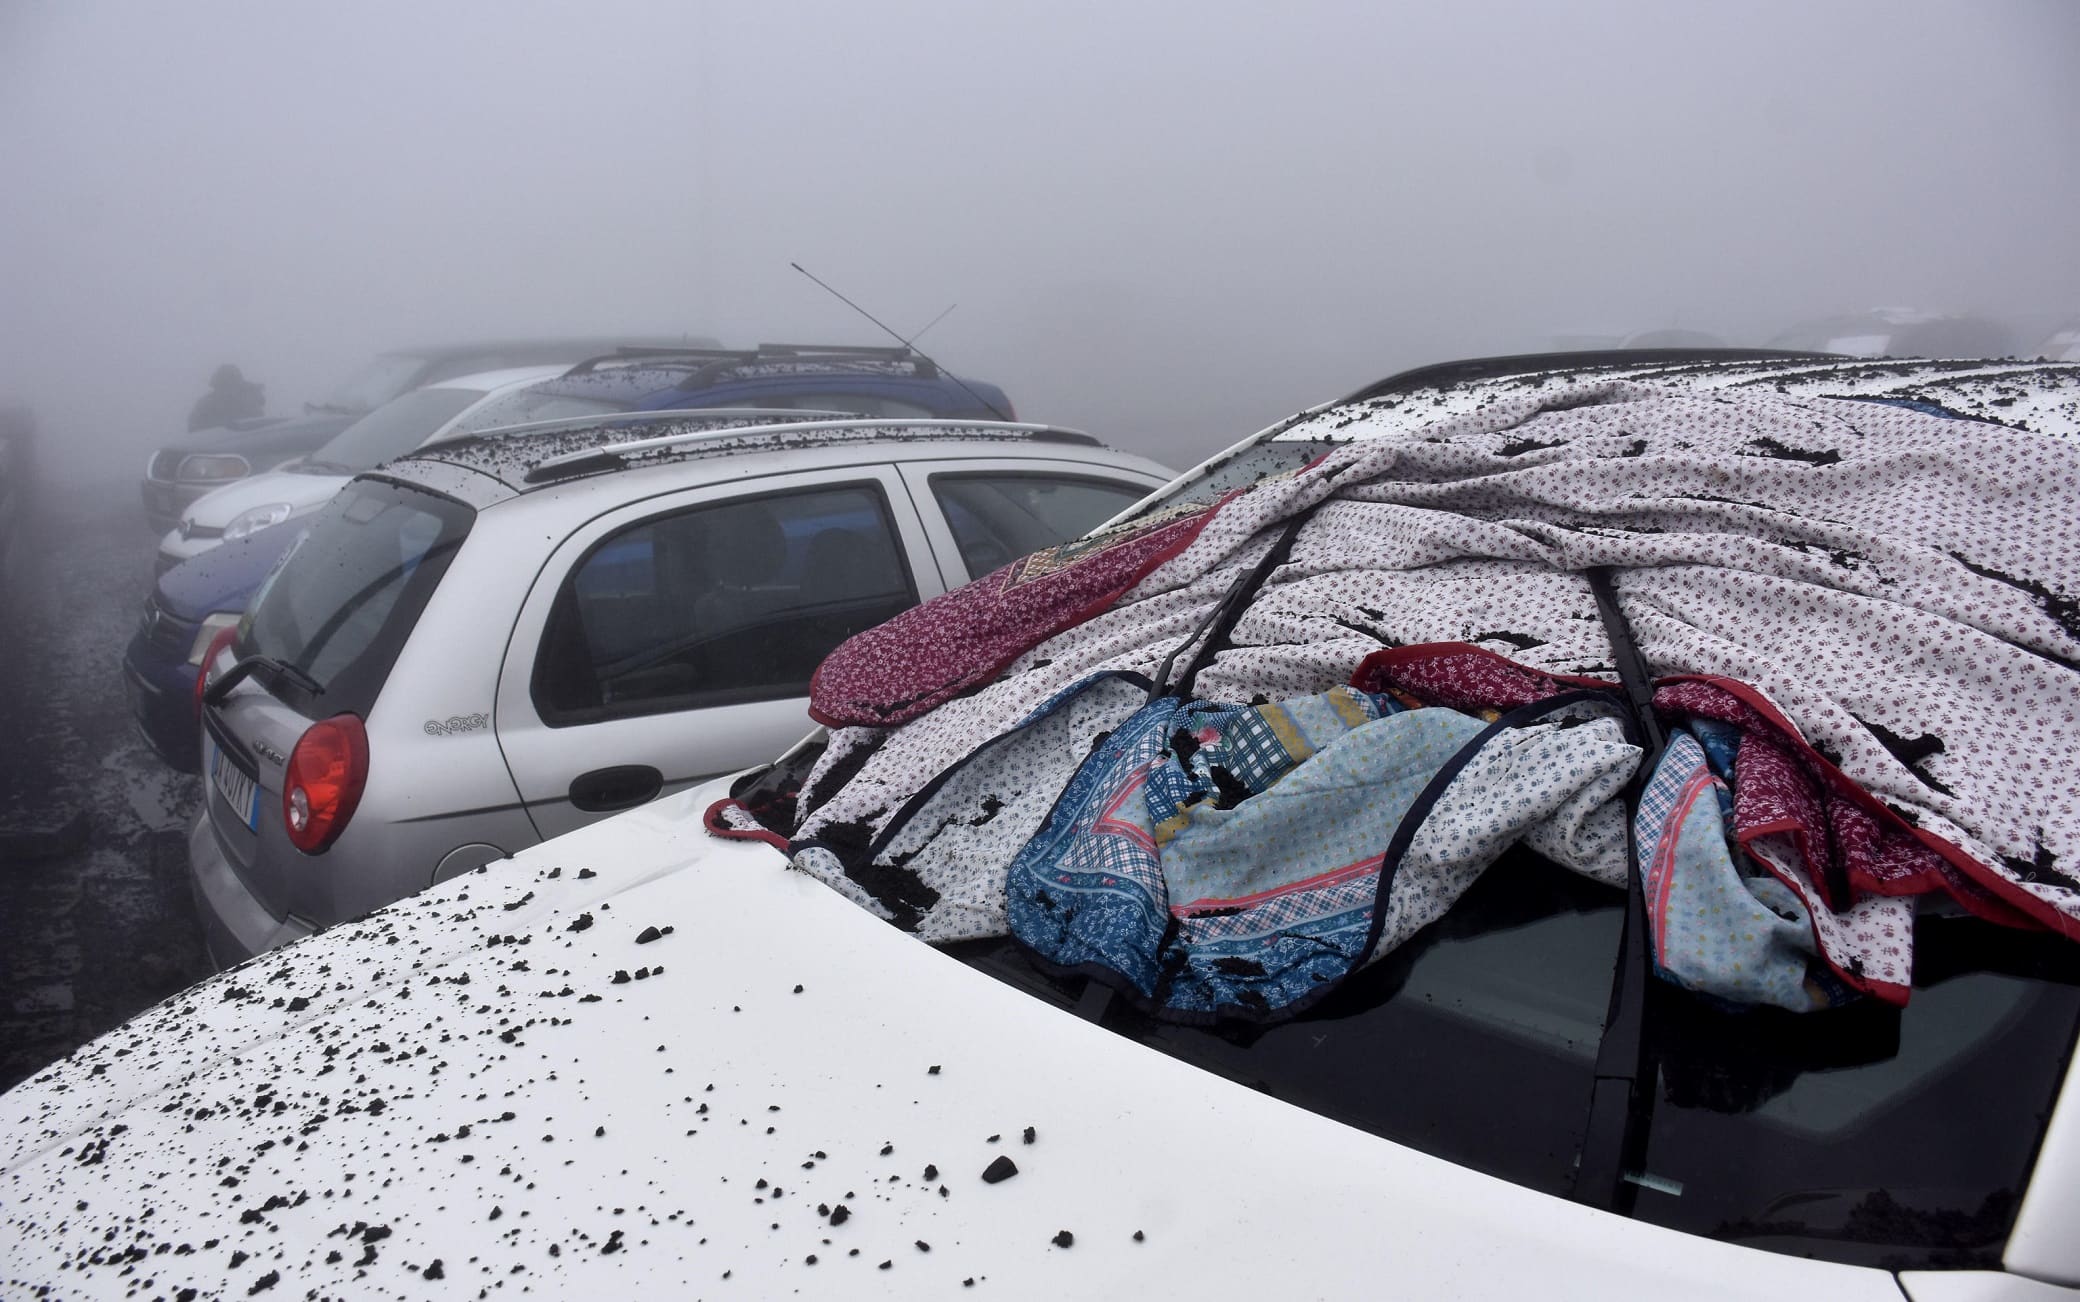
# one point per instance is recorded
(1870, 604)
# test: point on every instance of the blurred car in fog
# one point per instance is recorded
(867, 381)
(828, 379)
(190, 604)
(197, 463)
(502, 638)
(299, 487)
(1898, 332)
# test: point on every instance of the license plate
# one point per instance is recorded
(241, 793)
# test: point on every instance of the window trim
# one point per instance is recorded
(945, 548)
(557, 717)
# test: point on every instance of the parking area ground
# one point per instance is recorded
(95, 919)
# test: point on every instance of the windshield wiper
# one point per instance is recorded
(1622, 1095)
(216, 691)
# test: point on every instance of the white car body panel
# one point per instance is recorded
(656, 1111)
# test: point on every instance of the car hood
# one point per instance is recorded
(640, 1061)
(224, 577)
(216, 509)
(268, 434)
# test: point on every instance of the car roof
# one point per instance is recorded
(528, 458)
(692, 368)
(490, 382)
(2043, 396)
(577, 345)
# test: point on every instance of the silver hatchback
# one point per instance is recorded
(497, 640)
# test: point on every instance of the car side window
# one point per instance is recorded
(997, 518)
(725, 603)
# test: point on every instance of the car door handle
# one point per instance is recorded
(624, 786)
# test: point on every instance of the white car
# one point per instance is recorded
(645, 1060)
(459, 406)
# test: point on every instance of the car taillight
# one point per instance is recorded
(323, 782)
(204, 674)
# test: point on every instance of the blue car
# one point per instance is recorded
(194, 599)
(881, 382)
(188, 605)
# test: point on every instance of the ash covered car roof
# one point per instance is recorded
(527, 457)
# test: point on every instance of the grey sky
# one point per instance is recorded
(1169, 224)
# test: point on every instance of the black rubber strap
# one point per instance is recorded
(1621, 1098)
(1238, 598)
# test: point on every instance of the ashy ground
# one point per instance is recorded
(96, 923)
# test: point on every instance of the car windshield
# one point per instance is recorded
(526, 405)
(392, 429)
(1838, 1136)
(1258, 461)
(340, 603)
(376, 383)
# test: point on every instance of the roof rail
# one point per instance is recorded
(725, 415)
(614, 456)
(717, 361)
(1493, 368)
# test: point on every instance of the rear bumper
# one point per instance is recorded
(235, 925)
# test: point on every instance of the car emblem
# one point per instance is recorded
(271, 753)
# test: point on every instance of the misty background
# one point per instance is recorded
(1169, 224)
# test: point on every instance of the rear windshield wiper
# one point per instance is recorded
(215, 692)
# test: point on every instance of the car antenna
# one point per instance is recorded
(911, 342)
(993, 410)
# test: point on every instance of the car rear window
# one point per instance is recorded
(342, 601)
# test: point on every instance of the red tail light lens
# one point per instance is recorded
(323, 782)
(203, 675)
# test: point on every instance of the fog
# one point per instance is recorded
(1167, 224)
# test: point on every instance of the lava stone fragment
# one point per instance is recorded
(1063, 1239)
(1030, 1135)
(647, 935)
(999, 1171)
